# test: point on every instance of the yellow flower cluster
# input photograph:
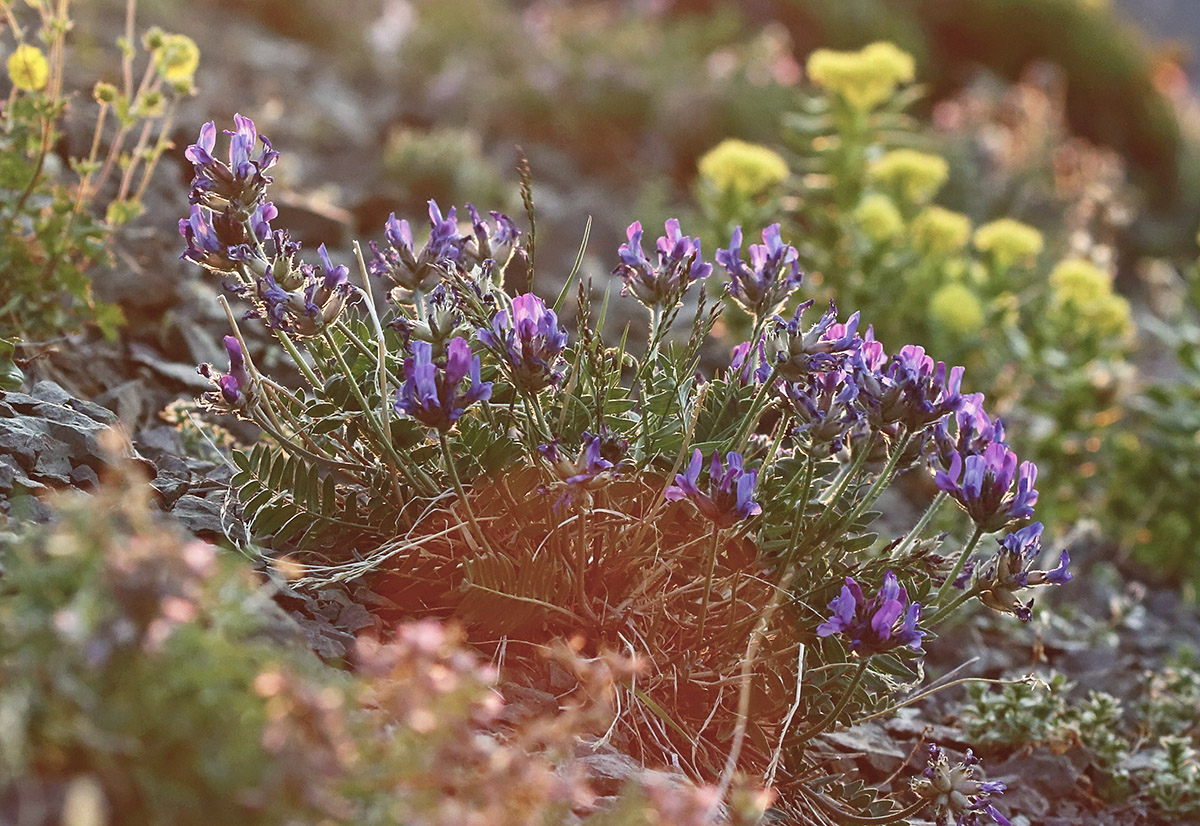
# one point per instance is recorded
(177, 59)
(879, 218)
(917, 176)
(865, 78)
(745, 169)
(939, 231)
(955, 308)
(28, 68)
(1008, 242)
(1081, 293)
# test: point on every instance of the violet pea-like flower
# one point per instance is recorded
(884, 622)
(1011, 570)
(242, 182)
(825, 405)
(591, 469)
(749, 369)
(773, 274)
(233, 389)
(435, 395)
(406, 267)
(984, 487)
(795, 352)
(215, 241)
(972, 433)
(495, 240)
(662, 280)
(530, 341)
(911, 389)
(730, 496)
(958, 797)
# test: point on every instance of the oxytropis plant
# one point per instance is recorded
(458, 450)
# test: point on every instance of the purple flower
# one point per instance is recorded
(434, 395)
(215, 241)
(983, 486)
(592, 468)
(973, 431)
(744, 367)
(730, 489)
(663, 281)
(1011, 569)
(240, 184)
(911, 390)
(316, 299)
(495, 240)
(887, 621)
(530, 341)
(408, 268)
(958, 797)
(771, 277)
(442, 319)
(824, 403)
(795, 352)
(232, 388)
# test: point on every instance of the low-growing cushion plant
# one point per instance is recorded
(457, 448)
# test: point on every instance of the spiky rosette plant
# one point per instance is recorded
(459, 449)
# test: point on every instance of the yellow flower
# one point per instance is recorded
(746, 169)
(938, 231)
(864, 78)
(916, 175)
(1009, 242)
(1081, 293)
(177, 59)
(955, 308)
(28, 68)
(879, 218)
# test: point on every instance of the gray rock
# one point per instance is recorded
(870, 740)
(206, 517)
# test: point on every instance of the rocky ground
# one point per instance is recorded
(1104, 631)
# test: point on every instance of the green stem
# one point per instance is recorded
(883, 480)
(922, 523)
(581, 560)
(462, 494)
(957, 569)
(819, 726)
(756, 408)
(708, 579)
(942, 613)
(298, 358)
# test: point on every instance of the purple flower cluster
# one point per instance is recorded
(959, 798)
(983, 484)
(660, 282)
(316, 297)
(973, 430)
(910, 389)
(494, 240)
(239, 185)
(795, 352)
(530, 341)
(730, 496)
(233, 389)
(1011, 569)
(885, 622)
(825, 405)
(772, 275)
(598, 458)
(433, 393)
(748, 369)
(412, 270)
